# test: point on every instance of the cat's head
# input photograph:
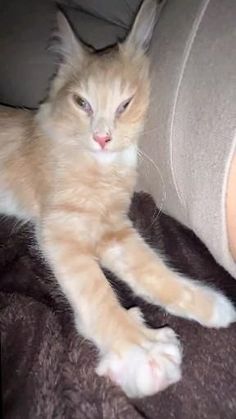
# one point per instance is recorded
(98, 101)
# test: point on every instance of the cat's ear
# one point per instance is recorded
(68, 46)
(141, 33)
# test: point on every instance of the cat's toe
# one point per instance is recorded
(146, 369)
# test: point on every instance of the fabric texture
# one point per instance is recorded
(189, 138)
(48, 369)
(190, 132)
(26, 63)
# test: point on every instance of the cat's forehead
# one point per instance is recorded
(111, 71)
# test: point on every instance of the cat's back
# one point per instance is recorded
(21, 163)
(13, 123)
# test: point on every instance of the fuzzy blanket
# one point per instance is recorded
(48, 369)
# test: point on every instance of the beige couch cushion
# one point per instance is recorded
(192, 119)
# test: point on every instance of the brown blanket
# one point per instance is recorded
(48, 370)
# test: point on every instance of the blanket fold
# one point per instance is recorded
(48, 369)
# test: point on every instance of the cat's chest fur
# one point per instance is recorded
(101, 182)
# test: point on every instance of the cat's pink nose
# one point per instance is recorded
(102, 139)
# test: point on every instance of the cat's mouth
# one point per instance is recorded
(109, 149)
(95, 148)
(104, 151)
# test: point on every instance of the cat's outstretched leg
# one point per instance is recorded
(141, 360)
(126, 254)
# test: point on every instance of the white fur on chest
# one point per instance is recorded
(125, 158)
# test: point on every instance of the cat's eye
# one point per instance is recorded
(123, 106)
(83, 104)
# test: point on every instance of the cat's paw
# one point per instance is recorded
(148, 368)
(205, 305)
(224, 312)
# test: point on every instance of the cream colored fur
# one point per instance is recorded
(54, 173)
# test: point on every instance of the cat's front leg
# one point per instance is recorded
(126, 254)
(141, 360)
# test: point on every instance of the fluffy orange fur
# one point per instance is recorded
(54, 173)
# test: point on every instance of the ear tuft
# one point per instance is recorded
(65, 42)
(142, 29)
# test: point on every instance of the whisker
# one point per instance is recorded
(142, 154)
(142, 132)
(17, 225)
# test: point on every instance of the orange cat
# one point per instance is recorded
(71, 168)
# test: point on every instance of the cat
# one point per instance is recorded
(71, 167)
